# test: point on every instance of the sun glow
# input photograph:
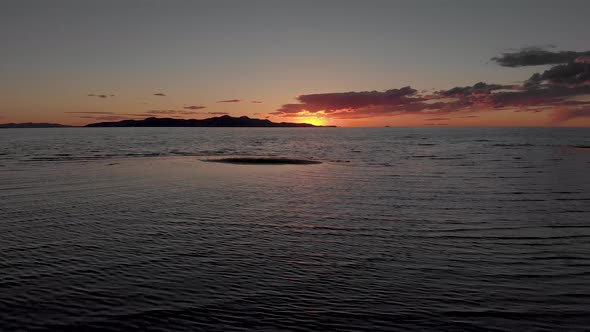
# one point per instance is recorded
(316, 121)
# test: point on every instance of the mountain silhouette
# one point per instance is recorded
(221, 121)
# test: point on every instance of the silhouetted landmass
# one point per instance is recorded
(221, 121)
(32, 125)
(264, 161)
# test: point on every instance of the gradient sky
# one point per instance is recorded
(261, 55)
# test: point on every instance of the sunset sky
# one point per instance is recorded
(361, 63)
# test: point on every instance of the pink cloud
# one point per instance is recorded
(478, 98)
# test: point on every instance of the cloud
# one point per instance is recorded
(437, 119)
(573, 73)
(535, 56)
(230, 101)
(458, 101)
(98, 95)
(217, 113)
(480, 88)
(559, 89)
(558, 98)
(356, 100)
(171, 112)
(256, 102)
(89, 112)
(194, 107)
(108, 118)
(355, 104)
(529, 110)
(160, 94)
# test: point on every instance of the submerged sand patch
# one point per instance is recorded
(264, 161)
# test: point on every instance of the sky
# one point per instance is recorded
(345, 63)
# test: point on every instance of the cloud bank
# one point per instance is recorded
(560, 90)
(536, 56)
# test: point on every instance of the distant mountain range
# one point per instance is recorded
(32, 125)
(221, 121)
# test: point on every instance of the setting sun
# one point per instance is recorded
(316, 121)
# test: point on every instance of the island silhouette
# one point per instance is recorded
(220, 121)
(32, 125)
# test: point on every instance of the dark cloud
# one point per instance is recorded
(476, 89)
(529, 111)
(108, 118)
(543, 96)
(356, 100)
(574, 73)
(437, 119)
(89, 112)
(230, 101)
(98, 96)
(535, 56)
(194, 107)
(355, 104)
(160, 94)
(171, 112)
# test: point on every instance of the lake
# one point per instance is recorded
(446, 229)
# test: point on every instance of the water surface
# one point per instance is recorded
(397, 229)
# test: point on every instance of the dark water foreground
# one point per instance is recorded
(401, 229)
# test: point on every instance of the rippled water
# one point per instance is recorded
(397, 229)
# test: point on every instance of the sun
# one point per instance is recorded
(316, 121)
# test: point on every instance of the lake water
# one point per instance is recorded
(446, 229)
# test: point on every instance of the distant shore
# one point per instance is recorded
(221, 121)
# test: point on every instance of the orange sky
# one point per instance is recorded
(56, 114)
